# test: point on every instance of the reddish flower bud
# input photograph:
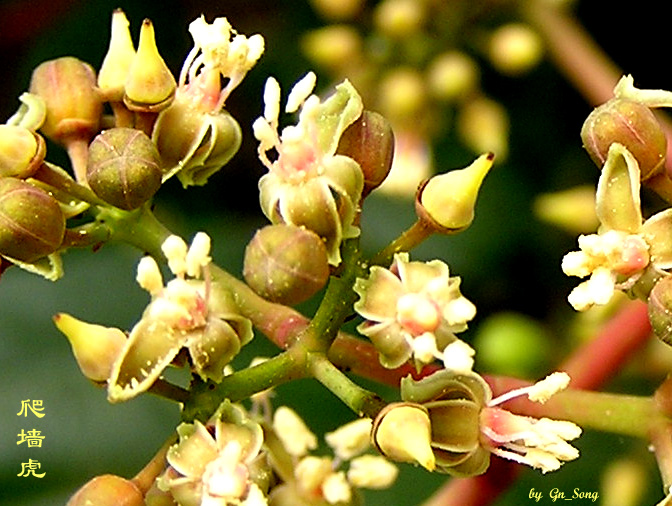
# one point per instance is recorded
(32, 224)
(631, 124)
(74, 107)
(108, 490)
(370, 142)
(287, 264)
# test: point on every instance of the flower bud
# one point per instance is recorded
(514, 49)
(21, 151)
(150, 86)
(660, 310)
(402, 94)
(452, 75)
(337, 9)
(402, 432)
(285, 263)
(399, 18)
(32, 224)
(483, 125)
(95, 347)
(117, 62)
(370, 142)
(447, 200)
(335, 46)
(124, 167)
(108, 490)
(74, 106)
(631, 124)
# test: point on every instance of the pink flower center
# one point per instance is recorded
(417, 313)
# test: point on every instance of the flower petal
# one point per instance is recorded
(657, 232)
(618, 201)
(378, 295)
(151, 346)
(336, 114)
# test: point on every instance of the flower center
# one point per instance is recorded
(226, 476)
(417, 313)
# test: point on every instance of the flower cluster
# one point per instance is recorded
(308, 184)
(413, 310)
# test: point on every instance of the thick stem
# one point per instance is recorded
(361, 401)
(78, 152)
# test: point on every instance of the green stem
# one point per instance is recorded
(337, 302)
(408, 240)
(361, 401)
(205, 398)
(139, 228)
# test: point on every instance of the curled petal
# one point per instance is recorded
(375, 294)
(618, 202)
(151, 346)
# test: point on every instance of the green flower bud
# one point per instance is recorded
(660, 310)
(124, 167)
(95, 347)
(447, 201)
(631, 124)
(285, 263)
(108, 490)
(74, 106)
(21, 151)
(150, 87)
(32, 224)
(370, 142)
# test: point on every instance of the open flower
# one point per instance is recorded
(625, 253)
(195, 136)
(413, 310)
(461, 426)
(185, 313)
(217, 464)
(308, 184)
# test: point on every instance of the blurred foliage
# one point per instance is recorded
(508, 260)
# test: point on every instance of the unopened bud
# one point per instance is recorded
(483, 125)
(117, 62)
(370, 142)
(660, 310)
(402, 432)
(402, 93)
(399, 18)
(95, 347)
(631, 124)
(335, 46)
(452, 76)
(124, 167)
(285, 263)
(21, 151)
(68, 88)
(150, 86)
(337, 9)
(108, 490)
(447, 201)
(32, 224)
(515, 48)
